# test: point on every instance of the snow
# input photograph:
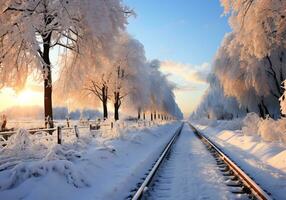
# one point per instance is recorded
(88, 168)
(256, 145)
(189, 173)
(268, 130)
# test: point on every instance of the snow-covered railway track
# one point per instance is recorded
(235, 177)
(138, 193)
(190, 169)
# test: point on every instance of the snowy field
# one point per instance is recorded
(258, 146)
(106, 166)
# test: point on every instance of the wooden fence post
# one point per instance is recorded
(59, 131)
(76, 131)
(68, 122)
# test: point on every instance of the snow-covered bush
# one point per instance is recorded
(251, 124)
(268, 129)
(44, 157)
(22, 145)
(19, 141)
(272, 130)
(37, 169)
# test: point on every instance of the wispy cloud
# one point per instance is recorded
(187, 88)
(191, 82)
(186, 74)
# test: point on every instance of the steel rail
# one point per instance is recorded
(256, 190)
(144, 186)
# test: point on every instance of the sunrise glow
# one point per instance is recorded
(28, 97)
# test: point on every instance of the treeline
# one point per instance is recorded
(60, 113)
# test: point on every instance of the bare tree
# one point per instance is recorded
(119, 94)
(100, 90)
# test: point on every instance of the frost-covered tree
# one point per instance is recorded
(30, 29)
(119, 90)
(216, 105)
(259, 29)
(130, 77)
(259, 25)
(250, 64)
(161, 93)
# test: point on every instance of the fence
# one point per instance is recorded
(74, 131)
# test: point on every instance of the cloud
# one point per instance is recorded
(186, 88)
(186, 73)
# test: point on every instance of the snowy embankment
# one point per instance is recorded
(258, 146)
(99, 167)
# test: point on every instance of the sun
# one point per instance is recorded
(29, 97)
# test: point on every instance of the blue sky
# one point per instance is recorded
(182, 31)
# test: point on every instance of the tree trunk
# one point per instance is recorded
(274, 76)
(48, 104)
(154, 115)
(4, 122)
(117, 104)
(151, 116)
(104, 91)
(47, 81)
(105, 112)
(266, 111)
(144, 117)
(139, 114)
(116, 112)
(261, 112)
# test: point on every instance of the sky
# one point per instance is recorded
(183, 34)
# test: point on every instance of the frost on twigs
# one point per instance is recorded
(21, 145)
(24, 159)
(59, 152)
(25, 171)
(19, 141)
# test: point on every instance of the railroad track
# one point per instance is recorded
(138, 192)
(236, 180)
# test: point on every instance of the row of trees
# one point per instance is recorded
(125, 76)
(87, 34)
(250, 66)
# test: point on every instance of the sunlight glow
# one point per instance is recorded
(28, 97)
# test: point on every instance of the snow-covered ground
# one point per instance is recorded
(106, 166)
(258, 146)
